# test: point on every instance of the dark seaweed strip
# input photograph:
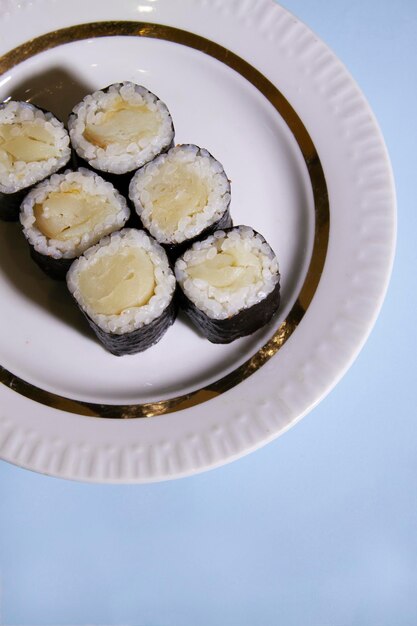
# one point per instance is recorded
(246, 322)
(10, 202)
(55, 268)
(174, 250)
(121, 181)
(140, 339)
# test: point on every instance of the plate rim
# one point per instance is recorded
(165, 458)
(283, 332)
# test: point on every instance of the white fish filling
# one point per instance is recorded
(228, 272)
(180, 193)
(66, 214)
(33, 144)
(121, 129)
(118, 282)
(124, 282)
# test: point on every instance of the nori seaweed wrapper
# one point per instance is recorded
(57, 268)
(120, 181)
(243, 323)
(54, 268)
(140, 339)
(173, 249)
(133, 328)
(10, 202)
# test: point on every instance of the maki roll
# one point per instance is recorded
(229, 283)
(66, 214)
(181, 196)
(125, 287)
(33, 145)
(118, 129)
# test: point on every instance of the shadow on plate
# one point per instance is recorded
(20, 271)
(56, 90)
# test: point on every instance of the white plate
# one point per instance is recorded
(300, 144)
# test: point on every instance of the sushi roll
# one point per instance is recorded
(181, 196)
(33, 145)
(118, 129)
(229, 283)
(126, 289)
(66, 214)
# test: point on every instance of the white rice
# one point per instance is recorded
(91, 184)
(25, 174)
(114, 158)
(136, 317)
(219, 303)
(209, 171)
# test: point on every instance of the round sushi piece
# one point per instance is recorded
(118, 129)
(33, 145)
(126, 289)
(66, 214)
(230, 283)
(181, 196)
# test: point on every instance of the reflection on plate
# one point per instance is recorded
(255, 113)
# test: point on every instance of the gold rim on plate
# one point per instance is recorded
(321, 215)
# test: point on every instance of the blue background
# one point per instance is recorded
(318, 528)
